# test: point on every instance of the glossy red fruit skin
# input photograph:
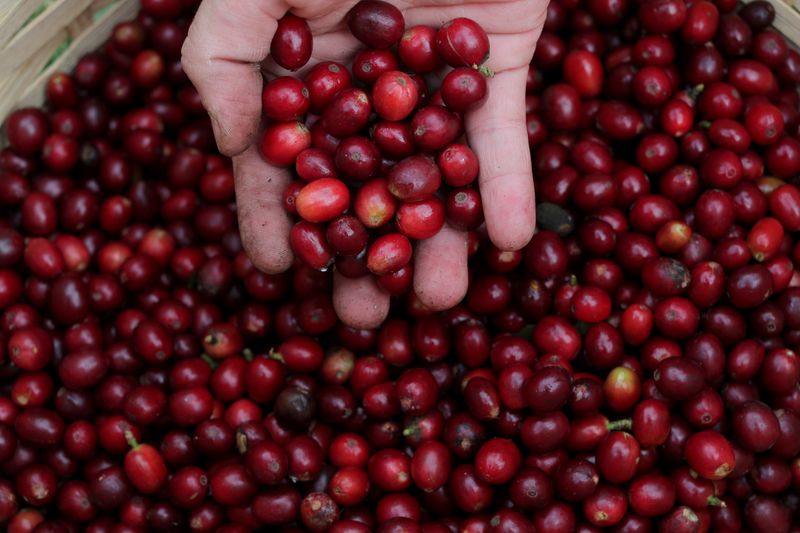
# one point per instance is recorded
(394, 95)
(308, 242)
(497, 461)
(324, 81)
(702, 21)
(755, 426)
(619, 121)
(458, 165)
(721, 168)
(652, 494)
(622, 389)
(390, 470)
(11, 287)
(749, 286)
(482, 398)
(764, 238)
(470, 494)
(557, 336)
(417, 49)
(607, 506)
(729, 135)
(618, 456)
(285, 98)
(431, 465)
(417, 391)
(347, 235)
(584, 71)
(662, 16)
(374, 204)
(561, 107)
(464, 208)
(388, 253)
(780, 369)
(30, 348)
(357, 158)
(463, 88)
(433, 127)
(784, 203)
(313, 163)
(399, 281)
(318, 512)
(370, 63)
(421, 220)
(349, 486)
(375, 23)
(393, 139)
(678, 378)
(290, 195)
(322, 200)
(282, 142)
(60, 152)
(462, 42)
(347, 112)
(26, 130)
(145, 468)
(782, 158)
(590, 304)
(676, 317)
(764, 122)
(650, 422)
(292, 43)
(414, 178)
(710, 455)
(676, 117)
(548, 389)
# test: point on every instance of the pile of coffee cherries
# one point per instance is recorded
(375, 130)
(632, 369)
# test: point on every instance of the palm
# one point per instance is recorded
(220, 65)
(513, 26)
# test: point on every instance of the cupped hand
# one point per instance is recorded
(225, 56)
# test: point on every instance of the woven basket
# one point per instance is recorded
(787, 19)
(39, 39)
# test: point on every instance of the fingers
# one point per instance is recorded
(504, 17)
(440, 269)
(338, 46)
(440, 281)
(264, 224)
(221, 55)
(496, 131)
(359, 303)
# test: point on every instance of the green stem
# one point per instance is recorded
(695, 91)
(617, 425)
(210, 339)
(713, 501)
(241, 442)
(131, 439)
(525, 332)
(486, 71)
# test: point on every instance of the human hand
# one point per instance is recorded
(225, 54)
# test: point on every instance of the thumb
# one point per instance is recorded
(221, 55)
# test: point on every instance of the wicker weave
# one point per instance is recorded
(787, 19)
(28, 45)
